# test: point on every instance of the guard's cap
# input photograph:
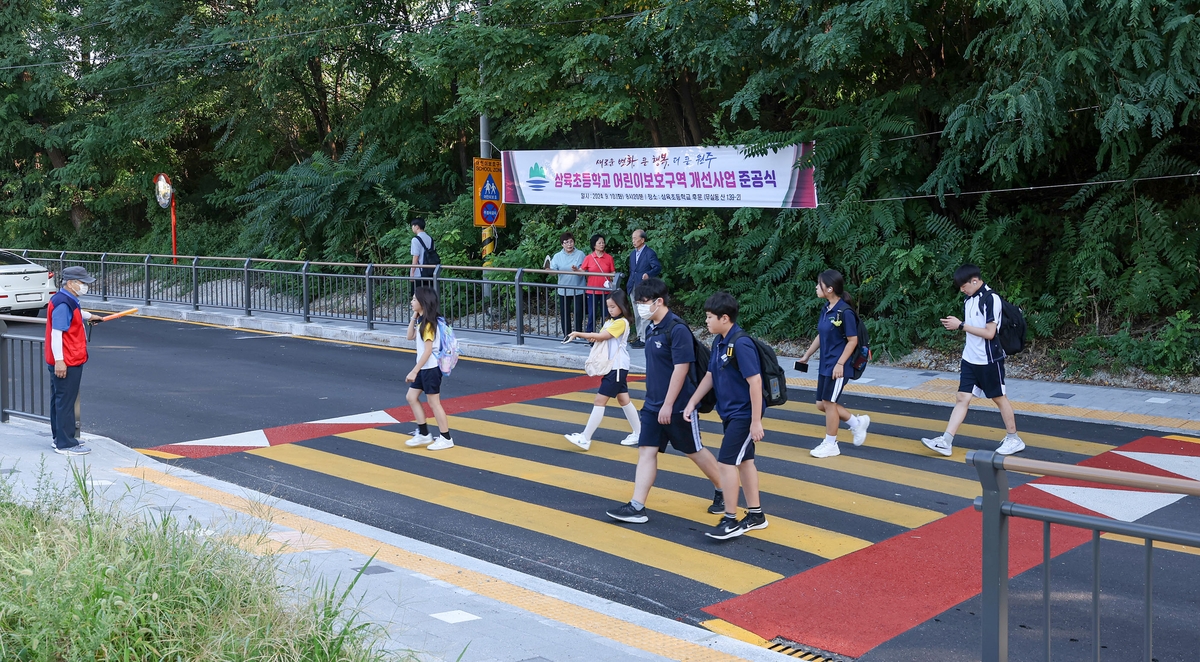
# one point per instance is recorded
(77, 273)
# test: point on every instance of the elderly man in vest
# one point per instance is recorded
(66, 352)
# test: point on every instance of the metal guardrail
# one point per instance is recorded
(997, 510)
(24, 376)
(514, 302)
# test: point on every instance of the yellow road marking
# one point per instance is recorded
(891, 473)
(532, 601)
(936, 426)
(159, 454)
(829, 497)
(826, 544)
(1180, 437)
(622, 542)
(1158, 544)
(730, 630)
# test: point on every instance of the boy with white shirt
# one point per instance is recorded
(982, 367)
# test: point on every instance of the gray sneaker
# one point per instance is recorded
(74, 450)
(939, 445)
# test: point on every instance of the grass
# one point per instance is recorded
(80, 579)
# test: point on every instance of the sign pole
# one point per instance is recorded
(164, 193)
(174, 250)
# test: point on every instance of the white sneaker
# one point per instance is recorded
(939, 445)
(631, 440)
(860, 432)
(441, 444)
(419, 439)
(579, 440)
(826, 449)
(1011, 445)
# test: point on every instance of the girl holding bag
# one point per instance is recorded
(597, 262)
(610, 357)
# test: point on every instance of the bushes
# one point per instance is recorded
(84, 581)
(1173, 349)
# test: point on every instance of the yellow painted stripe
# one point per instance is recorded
(1180, 437)
(783, 532)
(921, 426)
(827, 544)
(928, 480)
(532, 601)
(623, 542)
(159, 454)
(730, 630)
(1158, 544)
(791, 488)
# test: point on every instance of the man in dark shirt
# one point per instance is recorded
(669, 355)
(735, 375)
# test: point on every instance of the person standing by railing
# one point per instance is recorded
(66, 352)
(570, 299)
(643, 265)
(598, 262)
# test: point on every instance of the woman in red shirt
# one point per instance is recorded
(598, 286)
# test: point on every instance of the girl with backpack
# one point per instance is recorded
(837, 338)
(612, 341)
(597, 262)
(426, 376)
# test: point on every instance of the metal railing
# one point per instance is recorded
(997, 510)
(522, 303)
(24, 375)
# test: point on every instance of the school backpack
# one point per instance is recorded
(429, 258)
(774, 382)
(447, 350)
(862, 352)
(699, 365)
(1011, 333)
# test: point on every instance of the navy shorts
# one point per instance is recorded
(829, 389)
(616, 381)
(982, 381)
(736, 446)
(428, 380)
(684, 436)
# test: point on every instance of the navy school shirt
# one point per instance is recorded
(729, 382)
(834, 326)
(662, 353)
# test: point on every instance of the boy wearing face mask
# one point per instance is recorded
(66, 352)
(669, 355)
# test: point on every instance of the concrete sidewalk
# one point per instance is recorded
(440, 604)
(1171, 412)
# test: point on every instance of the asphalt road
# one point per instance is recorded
(506, 496)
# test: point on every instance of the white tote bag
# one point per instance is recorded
(598, 364)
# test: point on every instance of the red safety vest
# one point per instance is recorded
(74, 338)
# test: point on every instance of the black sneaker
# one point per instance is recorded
(627, 513)
(637, 344)
(754, 521)
(727, 528)
(718, 504)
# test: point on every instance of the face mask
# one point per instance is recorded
(644, 310)
(83, 289)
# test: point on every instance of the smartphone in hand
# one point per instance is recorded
(802, 367)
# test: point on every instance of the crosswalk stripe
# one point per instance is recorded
(822, 542)
(791, 488)
(937, 426)
(704, 567)
(817, 432)
(781, 531)
(891, 473)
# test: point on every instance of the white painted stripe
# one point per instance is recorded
(252, 439)
(1158, 401)
(1123, 505)
(1183, 465)
(370, 417)
(456, 616)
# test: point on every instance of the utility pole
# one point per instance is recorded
(488, 237)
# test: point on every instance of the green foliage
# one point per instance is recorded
(322, 145)
(1172, 349)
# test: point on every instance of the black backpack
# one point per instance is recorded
(429, 258)
(774, 381)
(699, 365)
(862, 353)
(1011, 333)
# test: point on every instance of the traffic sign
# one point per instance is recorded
(489, 210)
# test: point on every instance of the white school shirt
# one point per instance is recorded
(618, 345)
(978, 351)
(431, 334)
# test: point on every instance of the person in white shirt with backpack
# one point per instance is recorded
(613, 340)
(426, 375)
(982, 367)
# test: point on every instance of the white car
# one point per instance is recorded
(25, 287)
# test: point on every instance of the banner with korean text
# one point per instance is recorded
(659, 177)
